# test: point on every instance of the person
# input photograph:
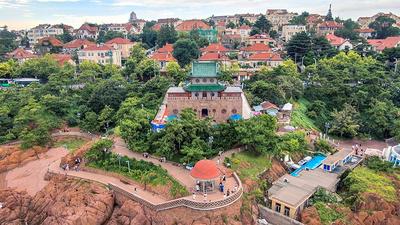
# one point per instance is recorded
(221, 187)
(135, 189)
(197, 187)
(224, 178)
(67, 167)
(205, 197)
(227, 193)
(235, 188)
(194, 196)
(217, 161)
(224, 195)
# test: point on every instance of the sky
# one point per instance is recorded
(25, 14)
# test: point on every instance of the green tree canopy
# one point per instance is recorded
(185, 51)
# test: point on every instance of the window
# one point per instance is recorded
(204, 94)
(277, 207)
(212, 80)
(175, 112)
(196, 94)
(223, 111)
(234, 111)
(212, 94)
(204, 80)
(286, 212)
(197, 81)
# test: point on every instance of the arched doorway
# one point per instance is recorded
(204, 112)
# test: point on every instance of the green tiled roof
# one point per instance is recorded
(204, 69)
(204, 87)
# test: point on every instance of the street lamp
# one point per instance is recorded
(129, 168)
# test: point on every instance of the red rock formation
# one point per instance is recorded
(310, 216)
(12, 156)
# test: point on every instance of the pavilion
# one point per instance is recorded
(205, 172)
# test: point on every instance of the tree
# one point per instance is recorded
(106, 117)
(185, 51)
(347, 31)
(147, 69)
(300, 19)
(345, 122)
(194, 152)
(7, 42)
(200, 41)
(149, 37)
(41, 68)
(8, 69)
(137, 55)
(175, 71)
(230, 25)
(167, 34)
(90, 122)
(263, 25)
(383, 27)
(258, 134)
(65, 37)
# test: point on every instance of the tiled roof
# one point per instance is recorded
(268, 56)
(205, 170)
(52, 40)
(97, 48)
(166, 48)
(268, 105)
(204, 69)
(215, 47)
(61, 58)
(204, 87)
(189, 25)
(78, 43)
(244, 27)
(88, 28)
(163, 56)
(20, 53)
(119, 41)
(335, 40)
(211, 56)
(258, 47)
(381, 44)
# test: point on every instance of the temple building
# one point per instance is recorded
(206, 95)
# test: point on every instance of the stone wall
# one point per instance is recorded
(276, 218)
(219, 108)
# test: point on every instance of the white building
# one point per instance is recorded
(43, 30)
(101, 54)
(288, 31)
(392, 154)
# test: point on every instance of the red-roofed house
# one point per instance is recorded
(87, 31)
(215, 48)
(381, 44)
(77, 44)
(164, 56)
(209, 56)
(21, 55)
(255, 48)
(101, 54)
(257, 60)
(122, 44)
(338, 42)
(260, 38)
(365, 33)
(48, 45)
(328, 27)
(63, 58)
(125, 28)
(189, 25)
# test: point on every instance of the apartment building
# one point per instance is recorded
(87, 31)
(365, 21)
(101, 54)
(125, 28)
(43, 30)
(121, 44)
(279, 17)
(288, 31)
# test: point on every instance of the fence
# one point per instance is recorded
(276, 218)
(184, 202)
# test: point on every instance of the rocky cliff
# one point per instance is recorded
(78, 202)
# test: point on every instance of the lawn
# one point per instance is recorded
(299, 117)
(248, 165)
(72, 144)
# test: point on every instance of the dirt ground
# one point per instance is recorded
(376, 144)
(30, 176)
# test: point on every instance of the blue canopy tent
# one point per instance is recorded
(235, 117)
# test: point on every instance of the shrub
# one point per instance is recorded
(377, 164)
(322, 145)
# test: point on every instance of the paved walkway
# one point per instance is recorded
(149, 196)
